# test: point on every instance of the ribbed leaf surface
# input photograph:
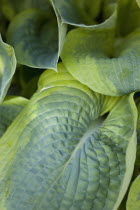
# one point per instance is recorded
(65, 153)
(9, 109)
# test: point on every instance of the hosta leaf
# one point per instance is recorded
(7, 67)
(38, 4)
(138, 121)
(11, 7)
(9, 109)
(130, 9)
(62, 29)
(35, 38)
(106, 65)
(133, 201)
(137, 162)
(108, 8)
(91, 8)
(65, 153)
(78, 12)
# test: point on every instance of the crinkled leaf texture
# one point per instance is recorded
(36, 38)
(106, 65)
(9, 109)
(7, 67)
(133, 202)
(66, 154)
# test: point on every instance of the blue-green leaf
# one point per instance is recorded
(7, 67)
(9, 109)
(65, 153)
(35, 38)
(78, 12)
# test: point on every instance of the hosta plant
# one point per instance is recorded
(69, 105)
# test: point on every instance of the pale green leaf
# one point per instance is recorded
(9, 109)
(107, 65)
(35, 37)
(138, 2)
(133, 202)
(65, 153)
(7, 67)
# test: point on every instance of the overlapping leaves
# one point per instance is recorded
(36, 32)
(69, 147)
(105, 63)
(133, 201)
(66, 153)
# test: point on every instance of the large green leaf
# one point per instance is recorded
(35, 36)
(9, 109)
(107, 65)
(7, 67)
(133, 202)
(133, 191)
(78, 12)
(65, 153)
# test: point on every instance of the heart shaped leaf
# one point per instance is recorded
(66, 152)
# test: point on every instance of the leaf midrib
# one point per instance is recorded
(95, 124)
